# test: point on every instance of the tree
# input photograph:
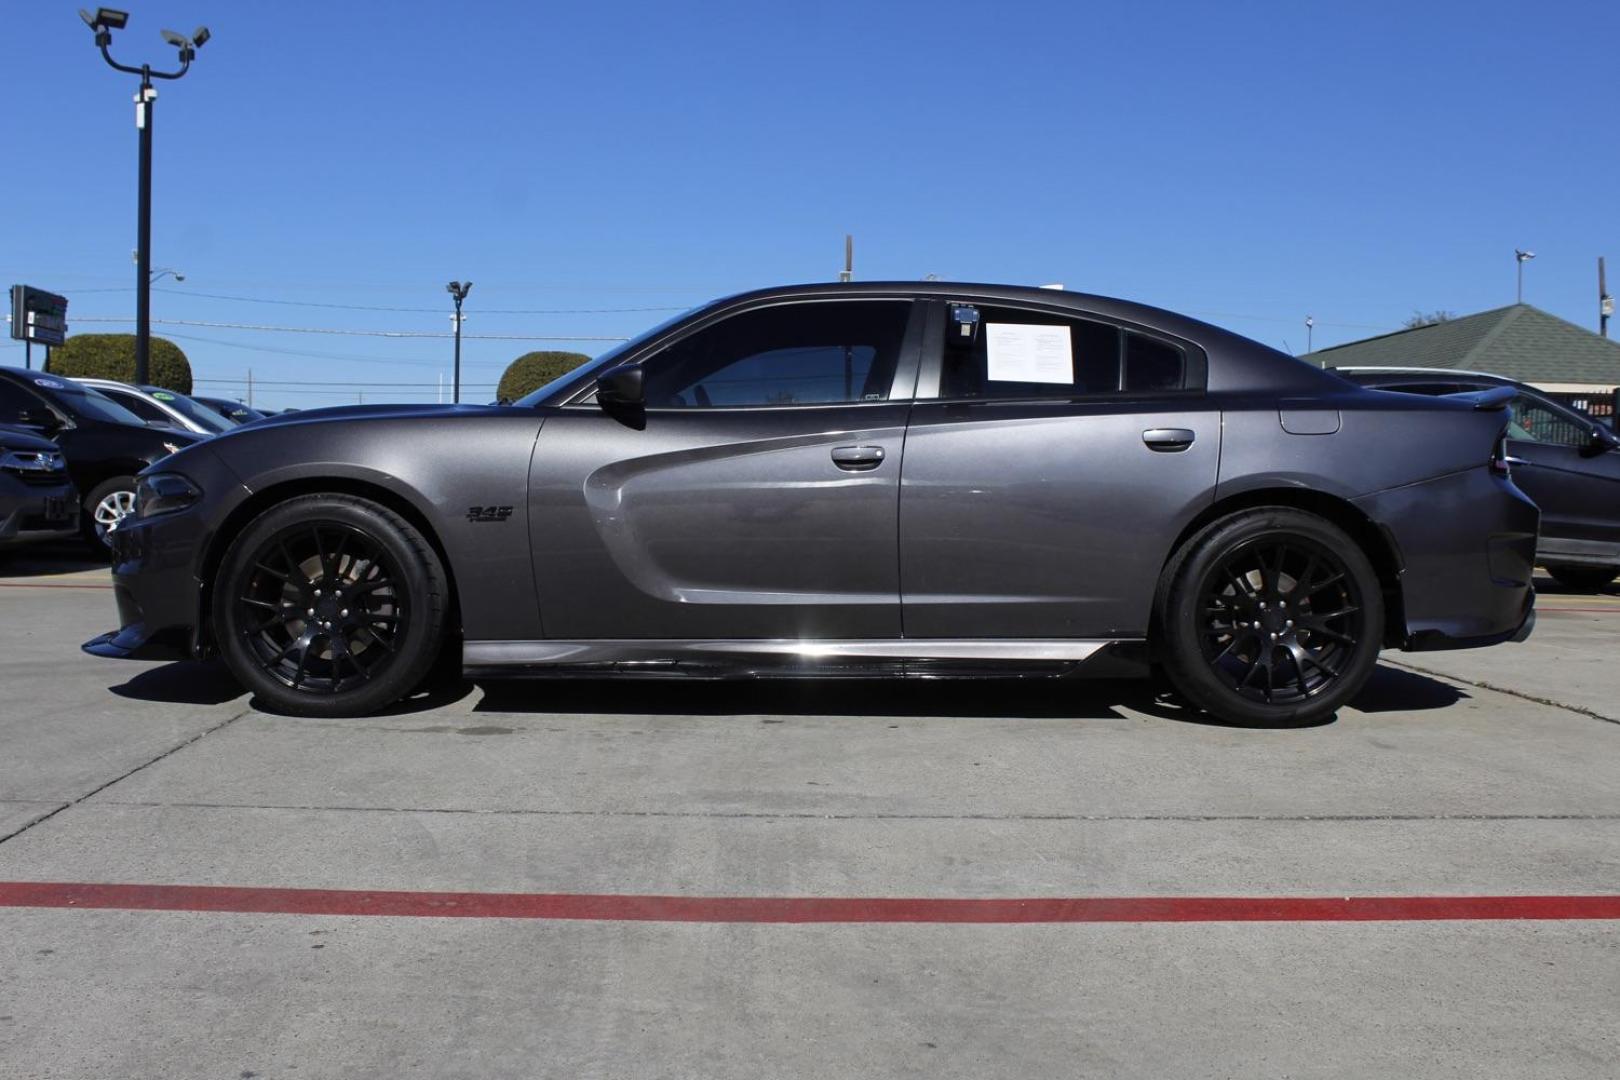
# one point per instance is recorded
(533, 370)
(1420, 318)
(112, 356)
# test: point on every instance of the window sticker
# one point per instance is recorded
(161, 396)
(49, 384)
(1028, 353)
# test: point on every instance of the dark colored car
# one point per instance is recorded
(917, 478)
(1566, 461)
(37, 500)
(105, 444)
(230, 410)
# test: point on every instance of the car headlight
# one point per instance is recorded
(164, 493)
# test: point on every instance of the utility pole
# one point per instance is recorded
(103, 23)
(1605, 301)
(250, 388)
(1521, 257)
(848, 273)
(458, 292)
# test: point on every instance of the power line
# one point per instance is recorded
(317, 355)
(415, 310)
(354, 333)
(307, 382)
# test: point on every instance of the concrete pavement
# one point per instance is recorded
(165, 774)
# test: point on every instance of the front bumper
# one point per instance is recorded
(1467, 543)
(31, 512)
(156, 588)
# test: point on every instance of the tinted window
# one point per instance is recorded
(1151, 364)
(207, 419)
(14, 401)
(1537, 421)
(1018, 354)
(790, 354)
(140, 407)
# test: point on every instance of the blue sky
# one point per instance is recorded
(1250, 163)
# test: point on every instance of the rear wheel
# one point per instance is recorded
(1270, 616)
(330, 605)
(1583, 578)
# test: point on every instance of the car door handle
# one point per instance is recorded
(1167, 440)
(857, 458)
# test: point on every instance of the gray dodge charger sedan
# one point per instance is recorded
(914, 478)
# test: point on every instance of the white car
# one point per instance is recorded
(162, 408)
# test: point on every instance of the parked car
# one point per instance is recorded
(162, 408)
(37, 499)
(105, 444)
(230, 410)
(1088, 485)
(1566, 461)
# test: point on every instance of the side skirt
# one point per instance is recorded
(793, 658)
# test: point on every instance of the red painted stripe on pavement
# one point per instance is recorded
(801, 909)
(46, 585)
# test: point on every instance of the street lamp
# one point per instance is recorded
(103, 23)
(458, 292)
(157, 275)
(1521, 257)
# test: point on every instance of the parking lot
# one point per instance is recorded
(1479, 774)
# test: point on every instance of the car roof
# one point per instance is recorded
(1426, 372)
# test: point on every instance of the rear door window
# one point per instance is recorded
(996, 352)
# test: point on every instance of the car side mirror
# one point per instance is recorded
(624, 386)
(1603, 440)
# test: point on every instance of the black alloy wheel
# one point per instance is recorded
(1271, 616)
(330, 605)
(322, 609)
(1282, 617)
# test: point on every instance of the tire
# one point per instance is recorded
(1589, 579)
(329, 605)
(1269, 617)
(101, 505)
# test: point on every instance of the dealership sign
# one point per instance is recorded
(37, 315)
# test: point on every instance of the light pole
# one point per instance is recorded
(104, 22)
(157, 275)
(1310, 325)
(1521, 257)
(458, 292)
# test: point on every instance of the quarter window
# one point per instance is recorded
(813, 353)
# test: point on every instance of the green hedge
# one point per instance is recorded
(531, 371)
(112, 356)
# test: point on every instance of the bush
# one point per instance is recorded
(531, 371)
(112, 356)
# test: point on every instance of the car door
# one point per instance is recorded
(1045, 481)
(755, 495)
(1556, 464)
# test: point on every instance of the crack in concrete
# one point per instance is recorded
(175, 749)
(1520, 694)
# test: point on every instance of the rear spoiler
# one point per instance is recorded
(1493, 400)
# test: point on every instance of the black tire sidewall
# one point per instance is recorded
(421, 576)
(1180, 618)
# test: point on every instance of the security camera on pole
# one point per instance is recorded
(458, 292)
(104, 22)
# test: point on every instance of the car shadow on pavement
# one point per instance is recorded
(184, 682)
(1009, 698)
(1393, 689)
(45, 560)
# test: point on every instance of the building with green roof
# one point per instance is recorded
(1518, 342)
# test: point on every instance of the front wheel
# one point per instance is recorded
(1270, 617)
(329, 605)
(110, 503)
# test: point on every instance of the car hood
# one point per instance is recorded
(17, 439)
(371, 412)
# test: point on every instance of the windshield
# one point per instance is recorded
(603, 362)
(206, 418)
(81, 401)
